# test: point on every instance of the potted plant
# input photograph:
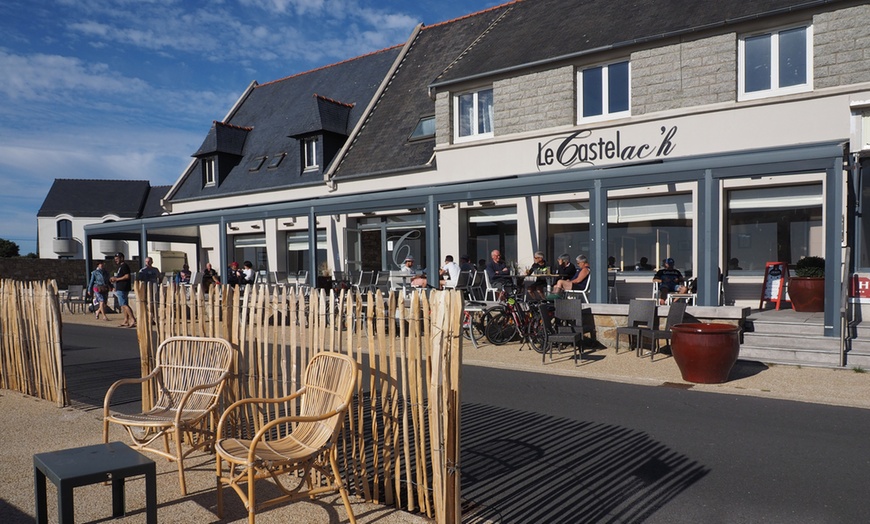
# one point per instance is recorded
(806, 289)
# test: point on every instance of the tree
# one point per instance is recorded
(8, 248)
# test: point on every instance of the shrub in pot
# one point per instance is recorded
(806, 289)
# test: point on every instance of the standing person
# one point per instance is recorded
(149, 274)
(98, 283)
(449, 271)
(670, 280)
(122, 282)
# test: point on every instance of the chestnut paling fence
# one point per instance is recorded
(400, 445)
(30, 340)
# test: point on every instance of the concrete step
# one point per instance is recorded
(791, 341)
(784, 327)
(794, 357)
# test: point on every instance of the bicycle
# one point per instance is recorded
(504, 322)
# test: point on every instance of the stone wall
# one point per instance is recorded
(535, 101)
(841, 47)
(66, 272)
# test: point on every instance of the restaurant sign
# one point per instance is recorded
(586, 148)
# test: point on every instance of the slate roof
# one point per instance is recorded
(152, 203)
(95, 198)
(383, 143)
(331, 98)
(548, 29)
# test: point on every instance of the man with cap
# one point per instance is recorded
(122, 282)
(408, 266)
(670, 280)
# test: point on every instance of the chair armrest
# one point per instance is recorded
(252, 451)
(121, 382)
(254, 400)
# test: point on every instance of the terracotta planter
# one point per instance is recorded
(705, 353)
(807, 294)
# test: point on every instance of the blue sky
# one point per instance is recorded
(128, 89)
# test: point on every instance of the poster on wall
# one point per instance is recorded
(773, 286)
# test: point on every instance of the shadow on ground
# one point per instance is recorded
(526, 467)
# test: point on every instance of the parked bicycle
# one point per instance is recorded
(515, 318)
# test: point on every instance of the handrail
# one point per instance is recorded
(844, 302)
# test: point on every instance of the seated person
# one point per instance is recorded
(183, 276)
(465, 264)
(537, 289)
(578, 280)
(235, 276)
(643, 265)
(670, 281)
(497, 270)
(566, 271)
(449, 272)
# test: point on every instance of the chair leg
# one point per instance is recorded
(334, 462)
(220, 487)
(179, 436)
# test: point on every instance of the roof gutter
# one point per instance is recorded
(328, 175)
(619, 45)
(164, 202)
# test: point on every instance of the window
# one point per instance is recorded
(64, 228)
(208, 171)
(604, 92)
(773, 223)
(276, 161)
(298, 254)
(257, 163)
(309, 153)
(655, 228)
(425, 128)
(775, 63)
(473, 114)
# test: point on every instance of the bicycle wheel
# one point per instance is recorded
(537, 333)
(472, 326)
(499, 326)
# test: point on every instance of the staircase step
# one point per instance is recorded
(785, 328)
(791, 342)
(795, 357)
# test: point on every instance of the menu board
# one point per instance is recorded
(773, 287)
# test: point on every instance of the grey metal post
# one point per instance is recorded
(833, 246)
(433, 242)
(707, 216)
(312, 247)
(222, 246)
(598, 241)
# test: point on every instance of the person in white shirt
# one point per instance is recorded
(449, 272)
(248, 272)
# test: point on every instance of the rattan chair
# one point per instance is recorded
(303, 442)
(188, 380)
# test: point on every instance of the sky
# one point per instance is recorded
(128, 89)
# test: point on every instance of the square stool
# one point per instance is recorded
(70, 468)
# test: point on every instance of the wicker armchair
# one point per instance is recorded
(302, 440)
(189, 378)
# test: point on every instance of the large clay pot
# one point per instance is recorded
(807, 294)
(705, 353)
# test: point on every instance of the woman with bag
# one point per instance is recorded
(98, 284)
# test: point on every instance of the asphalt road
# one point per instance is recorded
(539, 448)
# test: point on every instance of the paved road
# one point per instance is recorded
(541, 448)
(94, 358)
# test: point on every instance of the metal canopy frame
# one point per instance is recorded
(707, 171)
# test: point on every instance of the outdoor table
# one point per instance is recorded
(70, 468)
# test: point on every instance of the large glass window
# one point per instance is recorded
(604, 91)
(567, 230)
(473, 114)
(251, 248)
(653, 228)
(298, 254)
(863, 258)
(775, 63)
(773, 224)
(492, 228)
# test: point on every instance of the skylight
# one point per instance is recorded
(257, 163)
(277, 161)
(425, 128)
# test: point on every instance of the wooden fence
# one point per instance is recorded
(30, 342)
(401, 440)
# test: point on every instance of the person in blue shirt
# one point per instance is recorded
(670, 280)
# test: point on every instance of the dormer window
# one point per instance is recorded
(473, 115)
(208, 171)
(309, 154)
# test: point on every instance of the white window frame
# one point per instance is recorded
(774, 90)
(309, 154)
(605, 102)
(208, 168)
(475, 135)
